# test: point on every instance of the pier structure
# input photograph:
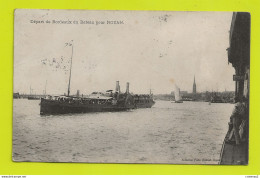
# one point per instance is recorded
(239, 57)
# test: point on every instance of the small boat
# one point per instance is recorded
(178, 98)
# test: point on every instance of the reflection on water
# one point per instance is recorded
(185, 133)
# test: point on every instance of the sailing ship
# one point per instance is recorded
(96, 102)
(32, 96)
(178, 98)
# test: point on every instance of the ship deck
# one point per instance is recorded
(232, 154)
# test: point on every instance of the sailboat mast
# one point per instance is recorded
(70, 68)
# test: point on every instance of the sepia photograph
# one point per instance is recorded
(146, 87)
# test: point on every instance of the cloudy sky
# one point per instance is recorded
(150, 49)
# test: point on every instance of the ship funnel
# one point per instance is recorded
(117, 87)
(127, 87)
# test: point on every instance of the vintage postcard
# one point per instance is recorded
(131, 86)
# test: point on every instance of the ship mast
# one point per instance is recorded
(70, 44)
(150, 90)
(45, 88)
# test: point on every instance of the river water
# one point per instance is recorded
(184, 133)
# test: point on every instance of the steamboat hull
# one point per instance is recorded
(55, 108)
